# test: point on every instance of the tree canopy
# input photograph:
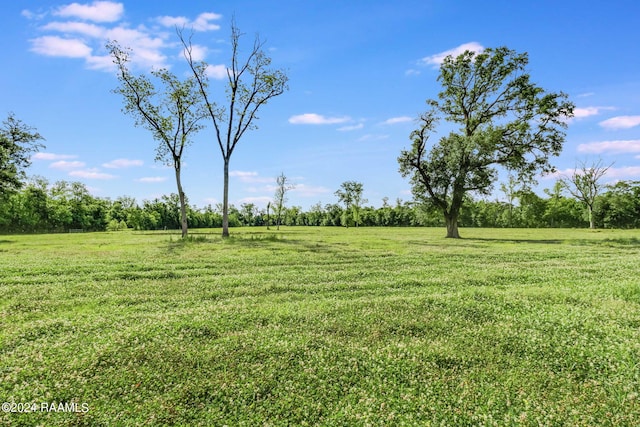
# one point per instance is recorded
(172, 115)
(350, 193)
(584, 184)
(500, 119)
(17, 142)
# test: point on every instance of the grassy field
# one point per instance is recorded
(323, 326)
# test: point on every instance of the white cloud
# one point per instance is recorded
(152, 179)
(242, 174)
(64, 164)
(122, 163)
(582, 112)
(77, 38)
(250, 177)
(83, 28)
(411, 72)
(173, 21)
(372, 137)
(217, 72)
(316, 119)
(304, 190)
(558, 174)
(198, 52)
(201, 23)
(91, 174)
(258, 200)
(58, 46)
(396, 120)
(611, 147)
(146, 49)
(98, 11)
(621, 122)
(52, 156)
(31, 15)
(438, 58)
(350, 128)
(626, 172)
(104, 63)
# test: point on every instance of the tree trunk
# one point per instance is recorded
(452, 225)
(279, 216)
(268, 206)
(225, 200)
(592, 224)
(183, 206)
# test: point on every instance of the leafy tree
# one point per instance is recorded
(283, 185)
(619, 206)
(248, 213)
(315, 214)
(532, 209)
(350, 194)
(584, 184)
(333, 214)
(17, 142)
(510, 191)
(172, 116)
(504, 120)
(561, 211)
(121, 209)
(250, 85)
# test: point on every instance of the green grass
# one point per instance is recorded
(323, 326)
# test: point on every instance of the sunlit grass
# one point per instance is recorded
(329, 326)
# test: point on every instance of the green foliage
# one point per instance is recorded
(17, 142)
(619, 206)
(584, 184)
(172, 117)
(40, 207)
(350, 193)
(372, 327)
(504, 121)
(114, 225)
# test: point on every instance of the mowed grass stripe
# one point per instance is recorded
(324, 326)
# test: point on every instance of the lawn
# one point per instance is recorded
(322, 326)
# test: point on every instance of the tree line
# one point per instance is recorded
(499, 119)
(63, 206)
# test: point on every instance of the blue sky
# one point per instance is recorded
(360, 72)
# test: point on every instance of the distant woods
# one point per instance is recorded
(43, 207)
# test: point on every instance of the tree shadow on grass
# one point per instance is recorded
(495, 240)
(4, 242)
(253, 240)
(275, 240)
(631, 242)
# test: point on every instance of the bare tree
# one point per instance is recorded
(250, 85)
(172, 116)
(584, 185)
(283, 185)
